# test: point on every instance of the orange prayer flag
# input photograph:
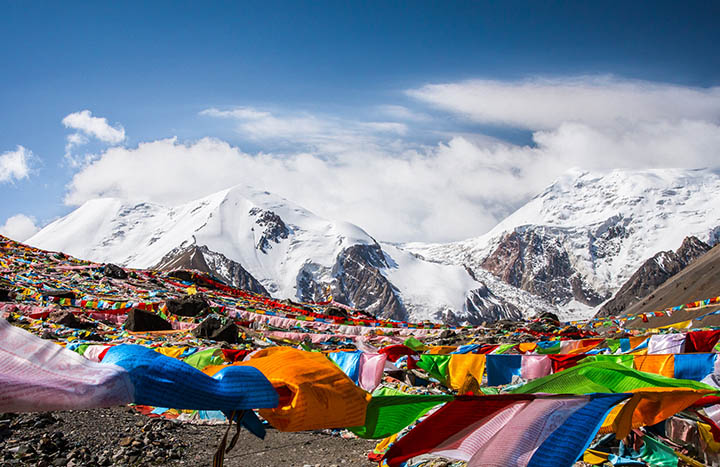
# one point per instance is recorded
(320, 395)
(663, 364)
(442, 349)
(649, 406)
(526, 347)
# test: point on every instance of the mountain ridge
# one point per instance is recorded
(566, 251)
(257, 239)
(580, 239)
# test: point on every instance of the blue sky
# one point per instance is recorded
(479, 88)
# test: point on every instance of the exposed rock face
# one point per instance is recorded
(359, 282)
(653, 273)
(271, 226)
(538, 263)
(203, 259)
(701, 278)
(355, 280)
(484, 306)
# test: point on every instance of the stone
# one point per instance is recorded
(217, 329)
(68, 319)
(114, 271)
(7, 295)
(182, 274)
(189, 305)
(58, 293)
(142, 321)
(127, 441)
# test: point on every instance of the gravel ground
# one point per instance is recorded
(122, 436)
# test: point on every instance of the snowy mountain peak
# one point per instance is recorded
(567, 250)
(255, 239)
(582, 237)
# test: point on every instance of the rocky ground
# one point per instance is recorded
(121, 436)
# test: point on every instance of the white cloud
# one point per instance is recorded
(240, 113)
(385, 127)
(399, 195)
(15, 165)
(95, 127)
(451, 191)
(373, 174)
(318, 133)
(541, 104)
(19, 227)
(88, 127)
(400, 112)
(77, 139)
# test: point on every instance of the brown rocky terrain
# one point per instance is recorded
(120, 436)
(201, 258)
(652, 274)
(700, 280)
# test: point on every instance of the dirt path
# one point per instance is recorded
(121, 436)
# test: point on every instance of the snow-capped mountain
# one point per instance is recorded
(568, 250)
(576, 243)
(254, 239)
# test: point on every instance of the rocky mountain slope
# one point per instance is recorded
(256, 240)
(568, 250)
(575, 244)
(698, 281)
(652, 274)
(201, 258)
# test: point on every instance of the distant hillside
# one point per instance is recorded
(700, 280)
(652, 274)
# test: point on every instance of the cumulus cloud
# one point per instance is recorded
(15, 165)
(88, 127)
(542, 104)
(95, 127)
(450, 191)
(375, 175)
(19, 227)
(395, 196)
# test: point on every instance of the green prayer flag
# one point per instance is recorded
(655, 453)
(204, 358)
(435, 365)
(603, 376)
(548, 347)
(414, 344)
(503, 348)
(612, 344)
(624, 360)
(387, 415)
